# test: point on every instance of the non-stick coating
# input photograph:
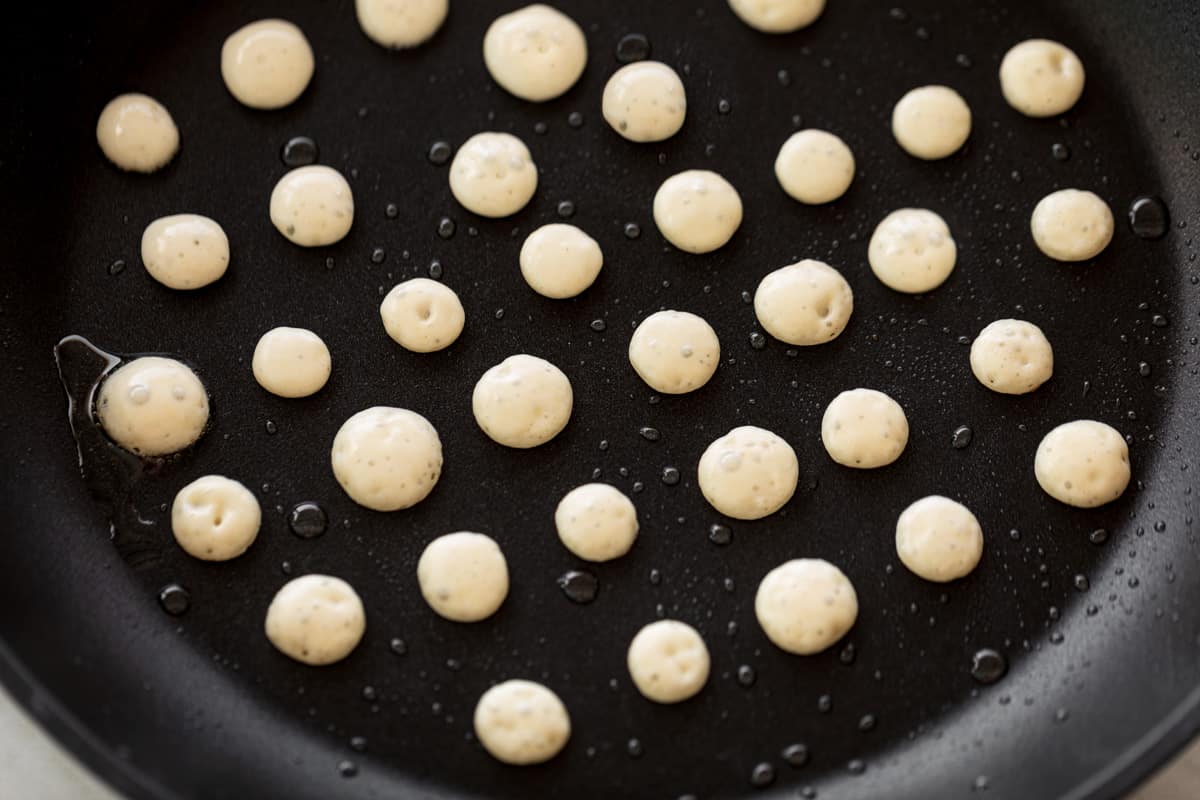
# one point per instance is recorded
(202, 706)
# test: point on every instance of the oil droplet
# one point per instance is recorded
(391, 211)
(566, 209)
(1159, 321)
(1144, 369)
(898, 14)
(670, 476)
(633, 47)
(848, 654)
(440, 152)
(757, 340)
(1061, 715)
(286, 568)
(579, 586)
(1098, 536)
(632, 230)
(1148, 217)
(784, 77)
(575, 119)
(962, 437)
(308, 520)
(655, 577)
(271, 427)
(963, 60)
(796, 755)
(347, 769)
(369, 694)
(116, 267)
(445, 228)
(174, 599)
(358, 744)
(649, 434)
(1081, 582)
(397, 646)
(724, 106)
(720, 534)
(866, 722)
(299, 151)
(1060, 151)
(435, 270)
(981, 783)
(540, 128)
(857, 766)
(598, 325)
(988, 665)
(825, 703)
(634, 748)
(378, 255)
(762, 775)
(746, 676)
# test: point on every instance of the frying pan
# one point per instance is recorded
(1101, 684)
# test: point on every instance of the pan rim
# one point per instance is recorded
(1128, 769)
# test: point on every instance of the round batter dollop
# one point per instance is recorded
(422, 315)
(1041, 78)
(153, 406)
(463, 576)
(136, 133)
(805, 605)
(536, 53)
(185, 251)
(668, 661)
(1072, 225)
(493, 175)
(291, 362)
(777, 16)
(1083, 464)
(931, 122)
(912, 251)
(814, 166)
(401, 23)
(387, 458)
(267, 64)
(523, 401)
(1012, 356)
(864, 429)
(645, 102)
(521, 722)
(316, 619)
(748, 473)
(938, 539)
(698, 211)
(313, 206)
(596, 522)
(674, 352)
(560, 261)
(804, 304)
(215, 518)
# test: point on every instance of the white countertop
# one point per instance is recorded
(34, 767)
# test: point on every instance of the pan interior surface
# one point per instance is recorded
(1100, 631)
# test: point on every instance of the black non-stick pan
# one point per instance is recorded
(1097, 613)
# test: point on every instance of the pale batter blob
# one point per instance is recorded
(521, 722)
(560, 261)
(1083, 464)
(805, 605)
(422, 315)
(938, 539)
(536, 53)
(387, 458)
(674, 352)
(864, 429)
(267, 64)
(313, 206)
(748, 473)
(523, 401)
(401, 23)
(185, 251)
(1072, 225)
(596, 522)
(931, 122)
(153, 406)
(215, 518)
(463, 576)
(316, 619)
(668, 661)
(1041, 78)
(645, 102)
(1012, 356)
(291, 362)
(137, 133)
(777, 16)
(912, 251)
(493, 175)
(805, 303)
(698, 211)
(814, 166)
